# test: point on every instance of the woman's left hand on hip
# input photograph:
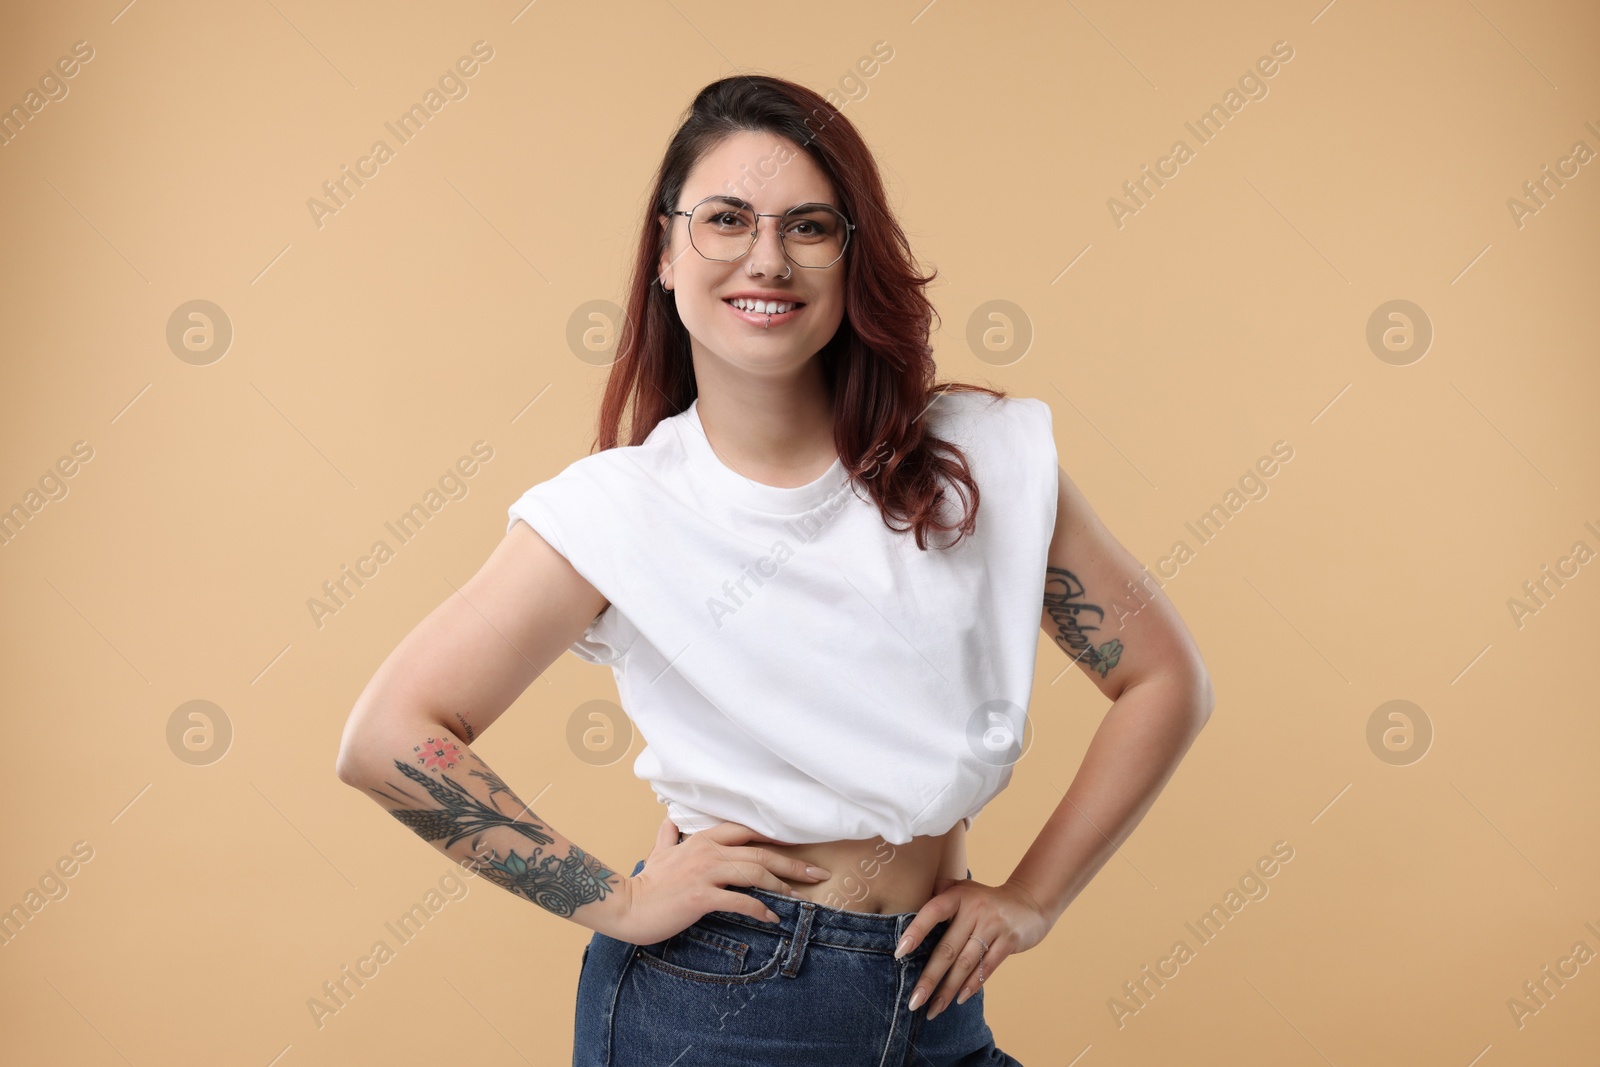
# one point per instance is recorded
(1006, 917)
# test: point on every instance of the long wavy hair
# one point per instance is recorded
(878, 367)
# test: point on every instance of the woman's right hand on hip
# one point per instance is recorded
(682, 881)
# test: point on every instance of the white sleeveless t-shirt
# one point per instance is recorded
(790, 662)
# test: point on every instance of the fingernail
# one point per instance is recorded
(901, 949)
(818, 872)
(917, 998)
(772, 917)
(962, 999)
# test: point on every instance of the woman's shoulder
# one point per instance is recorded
(980, 417)
(613, 488)
(660, 453)
(952, 399)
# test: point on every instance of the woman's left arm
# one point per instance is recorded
(1105, 612)
(1119, 627)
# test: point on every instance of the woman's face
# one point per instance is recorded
(772, 175)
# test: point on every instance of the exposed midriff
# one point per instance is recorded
(872, 875)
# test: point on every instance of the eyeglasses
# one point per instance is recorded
(724, 228)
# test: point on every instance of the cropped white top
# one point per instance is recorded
(793, 664)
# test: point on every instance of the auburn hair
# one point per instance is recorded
(878, 366)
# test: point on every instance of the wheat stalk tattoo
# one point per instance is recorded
(558, 884)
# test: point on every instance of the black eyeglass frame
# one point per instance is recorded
(755, 231)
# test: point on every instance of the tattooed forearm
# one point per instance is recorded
(1065, 603)
(558, 884)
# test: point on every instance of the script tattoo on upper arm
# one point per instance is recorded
(1065, 602)
(558, 884)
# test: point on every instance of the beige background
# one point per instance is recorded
(432, 311)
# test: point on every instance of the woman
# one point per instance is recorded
(816, 575)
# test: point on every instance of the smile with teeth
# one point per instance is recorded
(763, 307)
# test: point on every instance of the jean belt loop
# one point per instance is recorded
(802, 937)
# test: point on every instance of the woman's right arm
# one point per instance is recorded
(407, 741)
(407, 745)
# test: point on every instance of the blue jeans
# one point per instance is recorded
(821, 986)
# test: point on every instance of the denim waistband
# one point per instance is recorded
(806, 921)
